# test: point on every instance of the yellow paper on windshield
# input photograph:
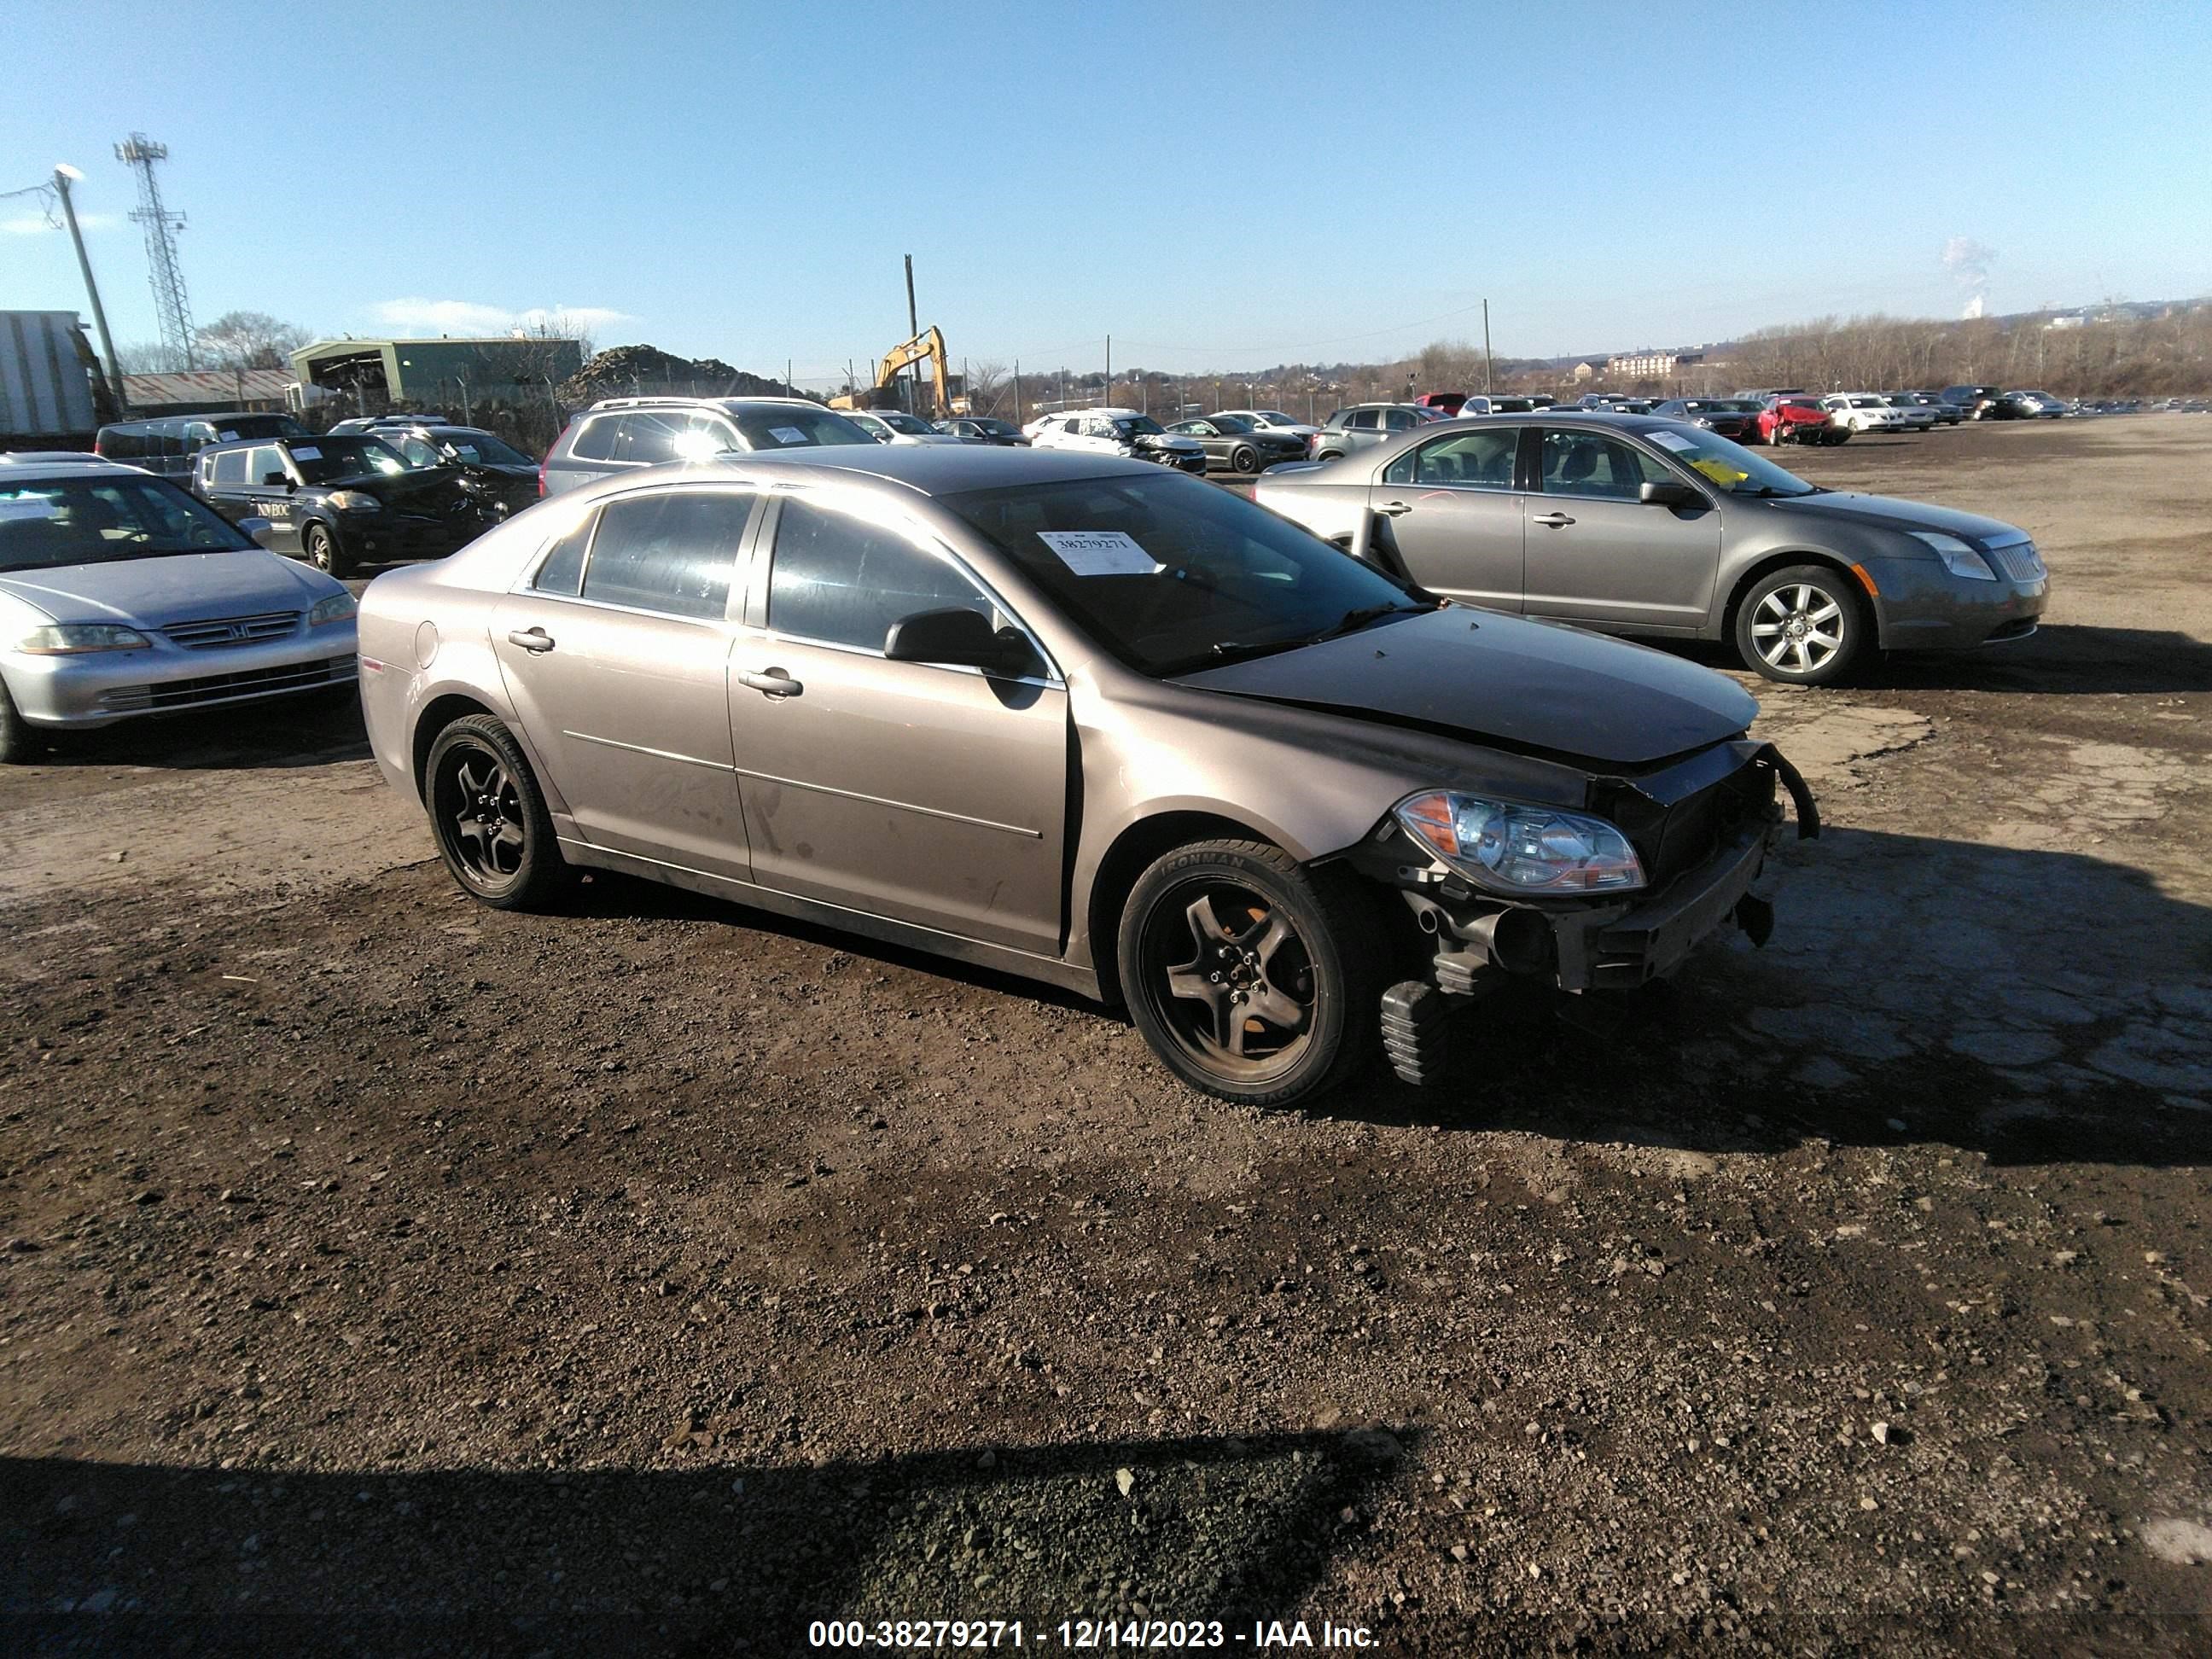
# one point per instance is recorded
(1726, 477)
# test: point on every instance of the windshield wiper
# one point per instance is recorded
(1353, 621)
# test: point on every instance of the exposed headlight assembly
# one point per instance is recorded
(337, 608)
(354, 501)
(1505, 847)
(77, 639)
(1958, 558)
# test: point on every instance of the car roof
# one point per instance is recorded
(925, 468)
(605, 404)
(49, 465)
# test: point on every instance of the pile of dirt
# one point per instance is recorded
(628, 370)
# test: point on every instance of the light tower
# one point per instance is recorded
(170, 305)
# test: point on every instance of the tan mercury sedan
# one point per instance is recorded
(1080, 718)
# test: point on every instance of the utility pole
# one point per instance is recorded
(1486, 349)
(1110, 370)
(1018, 392)
(913, 328)
(63, 173)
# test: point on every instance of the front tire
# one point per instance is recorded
(1254, 978)
(490, 817)
(324, 554)
(1244, 459)
(18, 742)
(1802, 626)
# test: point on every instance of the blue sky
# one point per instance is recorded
(1216, 185)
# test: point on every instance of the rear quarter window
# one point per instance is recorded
(595, 439)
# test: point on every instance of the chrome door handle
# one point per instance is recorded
(1392, 509)
(772, 682)
(535, 641)
(1551, 520)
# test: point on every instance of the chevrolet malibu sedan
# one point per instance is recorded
(1635, 525)
(1080, 718)
(121, 596)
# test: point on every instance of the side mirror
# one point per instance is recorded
(961, 637)
(1669, 494)
(257, 531)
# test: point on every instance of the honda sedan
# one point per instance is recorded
(1081, 719)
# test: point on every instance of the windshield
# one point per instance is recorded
(1232, 423)
(899, 421)
(1735, 469)
(323, 459)
(467, 445)
(59, 521)
(1143, 425)
(789, 426)
(1171, 574)
(1728, 406)
(258, 425)
(1276, 416)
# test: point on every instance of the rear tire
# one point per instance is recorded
(490, 817)
(1252, 978)
(1806, 625)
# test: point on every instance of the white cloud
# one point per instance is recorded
(37, 224)
(467, 316)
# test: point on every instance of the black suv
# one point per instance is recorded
(484, 458)
(344, 500)
(1976, 400)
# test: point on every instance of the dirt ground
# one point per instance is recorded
(384, 1274)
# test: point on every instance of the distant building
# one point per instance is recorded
(205, 391)
(440, 371)
(1588, 369)
(1652, 364)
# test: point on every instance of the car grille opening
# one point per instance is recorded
(2018, 563)
(218, 688)
(218, 632)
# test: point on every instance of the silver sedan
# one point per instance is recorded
(1634, 524)
(121, 596)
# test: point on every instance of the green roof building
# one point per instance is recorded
(444, 370)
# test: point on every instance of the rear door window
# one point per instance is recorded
(596, 440)
(230, 467)
(1480, 459)
(671, 551)
(843, 582)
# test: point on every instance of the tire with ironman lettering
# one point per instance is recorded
(1251, 975)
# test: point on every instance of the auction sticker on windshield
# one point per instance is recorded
(787, 435)
(306, 452)
(1673, 440)
(1100, 553)
(27, 507)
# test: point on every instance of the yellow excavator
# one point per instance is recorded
(930, 344)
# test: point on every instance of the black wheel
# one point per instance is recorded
(1244, 459)
(489, 816)
(1804, 626)
(18, 742)
(1252, 976)
(322, 552)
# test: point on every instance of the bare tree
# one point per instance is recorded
(986, 383)
(250, 339)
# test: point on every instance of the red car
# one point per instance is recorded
(1444, 403)
(1793, 417)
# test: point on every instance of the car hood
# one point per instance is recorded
(183, 587)
(1534, 686)
(1166, 440)
(1881, 512)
